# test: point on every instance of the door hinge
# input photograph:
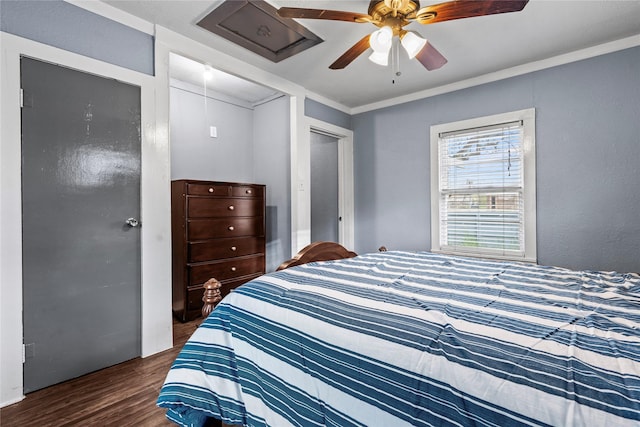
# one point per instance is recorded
(26, 99)
(28, 351)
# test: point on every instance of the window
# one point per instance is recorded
(483, 199)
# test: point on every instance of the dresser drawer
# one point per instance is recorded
(247, 191)
(208, 189)
(224, 270)
(205, 207)
(203, 229)
(224, 248)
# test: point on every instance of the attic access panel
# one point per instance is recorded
(255, 25)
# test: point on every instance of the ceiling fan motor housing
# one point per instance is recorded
(392, 13)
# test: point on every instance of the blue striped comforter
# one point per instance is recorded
(404, 338)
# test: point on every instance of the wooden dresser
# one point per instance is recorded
(217, 230)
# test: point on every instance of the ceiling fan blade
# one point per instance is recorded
(459, 9)
(351, 54)
(430, 58)
(334, 15)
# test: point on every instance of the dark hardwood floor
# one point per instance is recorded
(122, 395)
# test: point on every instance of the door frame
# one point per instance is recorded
(345, 177)
(156, 321)
(167, 42)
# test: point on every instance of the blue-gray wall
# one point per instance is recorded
(63, 25)
(588, 161)
(319, 111)
(272, 166)
(194, 154)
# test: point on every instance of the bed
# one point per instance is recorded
(398, 338)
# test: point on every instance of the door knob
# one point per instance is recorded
(133, 222)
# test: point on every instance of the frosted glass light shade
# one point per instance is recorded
(412, 43)
(380, 58)
(380, 40)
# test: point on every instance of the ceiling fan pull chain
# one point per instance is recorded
(204, 90)
(395, 62)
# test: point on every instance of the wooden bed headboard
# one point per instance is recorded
(317, 251)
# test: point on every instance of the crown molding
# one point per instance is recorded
(115, 14)
(328, 102)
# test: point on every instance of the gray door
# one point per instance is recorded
(80, 183)
(324, 188)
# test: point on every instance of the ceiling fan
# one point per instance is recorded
(391, 16)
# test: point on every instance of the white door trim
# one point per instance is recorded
(345, 178)
(155, 211)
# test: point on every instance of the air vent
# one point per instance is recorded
(256, 26)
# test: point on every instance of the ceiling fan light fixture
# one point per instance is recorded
(413, 43)
(380, 58)
(392, 16)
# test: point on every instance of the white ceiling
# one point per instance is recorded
(474, 46)
(190, 71)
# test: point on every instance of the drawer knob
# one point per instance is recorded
(249, 191)
(231, 228)
(233, 248)
(210, 189)
(233, 269)
(231, 207)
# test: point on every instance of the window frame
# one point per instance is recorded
(527, 116)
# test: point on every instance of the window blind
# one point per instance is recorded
(481, 190)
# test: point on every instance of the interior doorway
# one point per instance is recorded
(325, 215)
(329, 163)
(224, 127)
